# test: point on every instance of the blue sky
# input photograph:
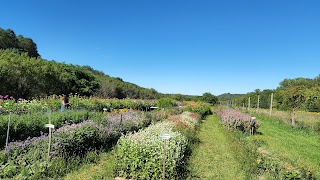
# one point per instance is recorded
(177, 46)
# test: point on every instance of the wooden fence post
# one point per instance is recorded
(271, 105)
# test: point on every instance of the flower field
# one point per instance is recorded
(29, 158)
(80, 133)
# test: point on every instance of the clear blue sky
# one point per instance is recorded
(177, 46)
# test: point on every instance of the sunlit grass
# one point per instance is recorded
(289, 143)
(103, 169)
(213, 158)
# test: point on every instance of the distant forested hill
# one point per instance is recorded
(24, 74)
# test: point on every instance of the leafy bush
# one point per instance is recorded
(165, 103)
(236, 120)
(201, 109)
(140, 155)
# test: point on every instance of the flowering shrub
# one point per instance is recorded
(140, 155)
(29, 158)
(236, 120)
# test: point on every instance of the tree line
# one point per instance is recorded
(24, 74)
(292, 94)
(9, 40)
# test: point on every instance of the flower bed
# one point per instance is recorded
(236, 120)
(20, 106)
(70, 142)
(140, 155)
(25, 125)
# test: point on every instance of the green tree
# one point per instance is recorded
(27, 45)
(209, 98)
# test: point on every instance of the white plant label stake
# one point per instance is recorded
(164, 137)
(7, 140)
(50, 126)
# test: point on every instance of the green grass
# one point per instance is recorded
(288, 143)
(103, 169)
(213, 158)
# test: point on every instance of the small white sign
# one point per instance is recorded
(165, 136)
(49, 126)
(253, 118)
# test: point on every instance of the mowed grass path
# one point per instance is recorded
(296, 145)
(213, 158)
(103, 169)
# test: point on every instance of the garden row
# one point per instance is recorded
(33, 124)
(260, 162)
(140, 155)
(72, 144)
(27, 125)
(54, 102)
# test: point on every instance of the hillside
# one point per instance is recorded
(24, 74)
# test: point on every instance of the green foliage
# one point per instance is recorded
(298, 94)
(165, 103)
(228, 96)
(140, 155)
(9, 40)
(71, 146)
(209, 98)
(33, 124)
(203, 110)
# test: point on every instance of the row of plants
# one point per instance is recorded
(27, 125)
(259, 162)
(140, 155)
(10, 104)
(236, 120)
(71, 143)
(33, 124)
